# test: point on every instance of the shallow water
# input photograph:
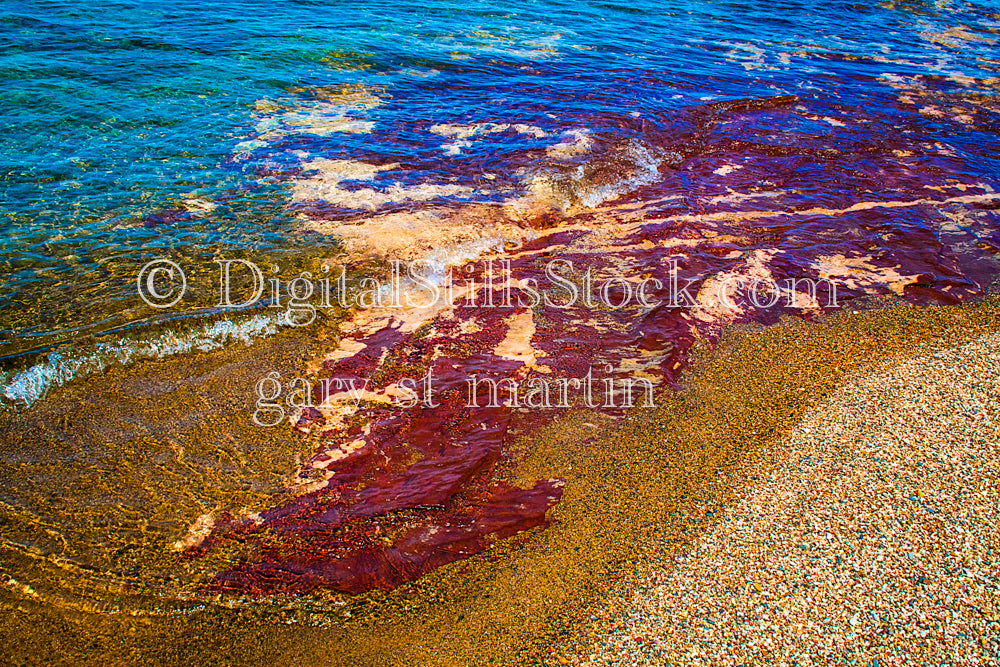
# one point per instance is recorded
(733, 141)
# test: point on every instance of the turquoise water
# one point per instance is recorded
(140, 130)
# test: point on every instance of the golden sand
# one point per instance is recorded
(637, 492)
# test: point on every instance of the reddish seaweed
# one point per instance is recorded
(427, 485)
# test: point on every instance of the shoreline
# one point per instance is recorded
(638, 491)
(473, 334)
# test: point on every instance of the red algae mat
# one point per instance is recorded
(592, 305)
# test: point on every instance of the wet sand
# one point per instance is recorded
(637, 496)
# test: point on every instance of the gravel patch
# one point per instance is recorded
(868, 536)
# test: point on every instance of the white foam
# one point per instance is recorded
(439, 260)
(324, 185)
(462, 134)
(65, 364)
(727, 169)
(574, 142)
(337, 113)
(578, 188)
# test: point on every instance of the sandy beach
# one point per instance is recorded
(741, 521)
(867, 536)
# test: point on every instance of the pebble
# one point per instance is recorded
(875, 530)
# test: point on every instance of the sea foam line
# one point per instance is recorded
(62, 365)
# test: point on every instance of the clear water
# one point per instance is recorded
(139, 130)
(288, 132)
